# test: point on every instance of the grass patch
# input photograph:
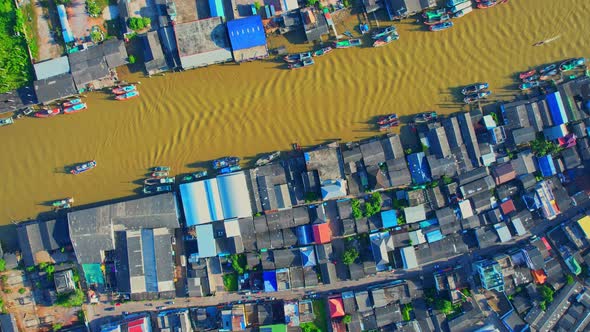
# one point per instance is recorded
(71, 299)
(15, 65)
(406, 311)
(230, 282)
(30, 24)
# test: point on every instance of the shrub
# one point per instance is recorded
(230, 282)
(257, 5)
(131, 59)
(357, 213)
(569, 279)
(93, 8)
(542, 147)
(56, 326)
(2, 265)
(21, 290)
(139, 23)
(349, 256)
(406, 310)
(443, 305)
(446, 179)
(346, 319)
(238, 263)
(71, 299)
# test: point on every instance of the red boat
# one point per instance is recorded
(45, 113)
(389, 125)
(128, 95)
(123, 89)
(387, 119)
(72, 102)
(527, 74)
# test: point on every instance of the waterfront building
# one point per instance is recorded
(202, 42)
(41, 241)
(153, 57)
(247, 38)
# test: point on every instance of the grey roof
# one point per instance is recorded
(328, 272)
(473, 175)
(523, 135)
(481, 201)
(36, 238)
(524, 163)
(115, 53)
(579, 129)
(486, 237)
(450, 245)
(503, 232)
(8, 323)
(409, 7)
(442, 166)
(91, 230)
(439, 144)
(534, 114)
(153, 56)
(527, 180)
(352, 155)
(436, 198)
(344, 209)
(392, 147)
(53, 67)
(286, 258)
(447, 220)
(248, 233)
(88, 65)
(54, 88)
(326, 162)
(478, 186)
(202, 42)
(462, 159)
(571, 158)
(506, 190)
(515, 115)
(453, 132)
(468, 134)
(584, 147)
(399, 174)
(296, 274)
(373, 153)
(415, 213)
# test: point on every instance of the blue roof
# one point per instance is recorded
(556, 108)
(419, 168)
(206, 240)
(246, 32)
(216, 7)
(304, 234)
(389, 218)
(270, 281)
(65, 26)
(555, 132)
(434, 236)
(546, 165)
(428, 223)
(308, 257)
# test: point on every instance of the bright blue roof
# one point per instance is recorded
(428, 223)
(419, 168)
(308, 257)
(434, 236)
(546, 165)
(304, 235)
(206, 240)
(65, 26)
(216, 7)
(270, 281)
(389, 218)
(246, 32)
(556, 108)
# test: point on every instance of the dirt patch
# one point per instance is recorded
(49, 42)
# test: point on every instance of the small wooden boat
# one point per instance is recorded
(75, 108)
(531, 78)
(434, 14)
(469, 99)
(462, 6)
(161, 168)
(128, 95)
(548, 75)
(159, 174)
(6, 122)
(387, 119)
(348, 34)
(230, 169)
(124, 89)
(72, 102)
(383, 32)
(322, 51)
(157, 189)
(462, 12)
(348, 43)
(81, 168)
(225, 162)
(65, 203)
(389, 125)
(292, 58)
(548, 68)
(438, 20)
(268, 159)
(194, 176)
(425, 117)
(441, 26)
(474, 88)
(385, 40)
(487, 4)
(529, 85)
(158, 181)
(527, 74)
(363, 28)
(572, 64)
(47, 113)
(302, 64)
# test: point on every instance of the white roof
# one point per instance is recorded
(415, 213)
(466, 210)
(53, 67)
(235, 198)
(417, 237)
(409, 258)
(232, 228)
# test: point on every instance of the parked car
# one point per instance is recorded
(169, 302)
(160, 307)
(109, 309)
(125, 313)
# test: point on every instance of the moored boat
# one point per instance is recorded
(322, 51)
(451, 3)
(75, 108)
(194, 176)
(487, 4)
(159, 174)
(387, 119)
(128, 95)
(531, 78)
(268, 159)
(462, 12)
(438, 20)
(157, 189)
(81, 168)
(383, 32)
(158, 181)
(6, 121)
(124, 89)
(469, 99)
(572, 64)
(433, 14)
(527, 74)
(229, 169)
(225, 162)
(474, 88)
(161, 168)
(302, 64)
(441, 26)
(548, 68)
(385, 40)
(72, 102)
(460, 7)
(529, 85)
(425, 117)
(389, 125)
(65, 203)
(47, 113)
(348, 43)
(548, 75)
(292, 58)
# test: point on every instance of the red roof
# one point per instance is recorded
(539, 276)
(322, 233)
(507, 207)
(547, 245)
(336, 307)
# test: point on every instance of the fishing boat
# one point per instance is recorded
(441, 19)
(159, 174)
(292, 58)
(6, 122)
(124, 89)
(194, 176)
(157, 189)
(363, 28)
(302, 64)
(469, 99)
(462, 12)
(161, 168)
(529, 85)
(128, 95)
(383, 32)
(225, 162)
(474, 88)
(547, 76)
(75, 108)
(572, 64)
(389, 125)
(65, 203)
(230, 169)
(387, 119)
(531, 78)
(460, 7)
(47, 113)
(72, 102)
(322, 51)
(348, 34)
(348, 43)
(158, 181)
(548, 68)
(385, 40)
(433, 14)
(487, 4)
(441, 26)
(425, 117)
(81, 168)
(527, 74)
(268, 159)
(452, 3)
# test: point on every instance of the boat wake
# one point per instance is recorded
(546, 41)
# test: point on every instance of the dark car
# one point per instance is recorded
(109, 309)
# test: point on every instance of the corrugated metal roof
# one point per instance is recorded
(52, 67)
(206, 240)
(246, 32)
(216, 7)
(546, 165)
(434, 236)
(419, 168)
(556, 108)
(389, 218)
(585, 225)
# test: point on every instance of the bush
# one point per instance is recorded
(406, 310)
(446, 179)
(309, 327)
(569, 279)
(346, 319)
(2, 265)
(139, 23)
(131, 59)
(542, 147)
(445, 306)
(310, 196)
(56, 326)
(238, 263)
(349, 256)
(230, 282)
(71, 299)
(546, 294)
(357, 213)
(257, 5)
(21, 290)
(93, 8)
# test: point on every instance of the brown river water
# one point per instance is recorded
(185, 119)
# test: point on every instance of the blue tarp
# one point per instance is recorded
(546, 165)
(556, 108)
(246, 32)
(216, 8)
(304, 235)
(434, 236)
(389, 218)
(270, 281)
(419, 168)
(65, 26)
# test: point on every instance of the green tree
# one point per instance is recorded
(81, 316)
(406, 311)
(56, 326)
(541, 147)
(2, 265)
(138, 23)
(546, 294)
(131, 59)
(21, 290)
(257, 5)
(446, 179)
(433, 184)
(445, 306)
(408, 151)
(349, 256)
(357, 212)
(309, 327)
(238, 263)
(346, 319)
(93, 8)
(70, 299)
(569, 279)
(230, 282)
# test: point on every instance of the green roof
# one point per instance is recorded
(274, 328)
